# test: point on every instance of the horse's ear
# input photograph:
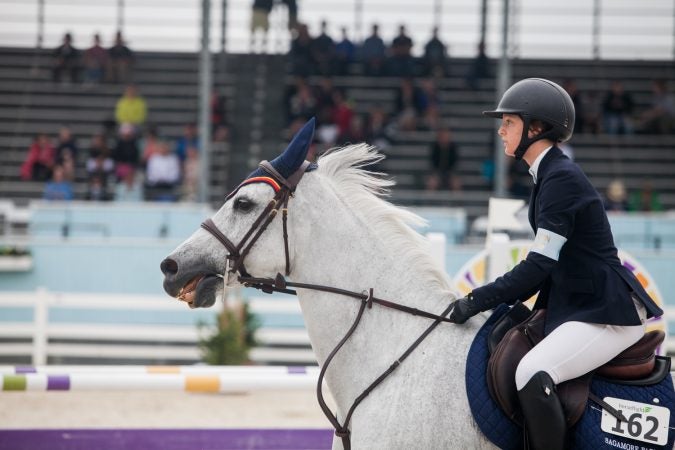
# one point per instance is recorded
(296, 152)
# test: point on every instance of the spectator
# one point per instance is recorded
(373, 52)
(95, 60)
(131, 108)
(429, 105)
(66, 59)
(435, 56)
(163, 174)
(660, 117)
(323, 95)
(323, 51)
(125, 154)
(190, 186)
(592, 108)
(345, 53)
(40, 160)
(187, 141)
(444, 157)
(260, 24)
(410, 104)
(479, 68)
(130, 188)
(58, 188)
(302, 104)
(617, 108)
(615, 197)
(378, 130)
(100, 169)
(292, 7)
(218, 111)
(645, 199)
(150, 144)
(301, 52)
(356, 131)
(572, 89)
(400, 63)
(66, 153)
(121, 61)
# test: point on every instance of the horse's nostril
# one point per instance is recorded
(169, 267)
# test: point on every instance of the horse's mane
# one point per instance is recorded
(364, 191)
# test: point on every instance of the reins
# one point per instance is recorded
(235, 263)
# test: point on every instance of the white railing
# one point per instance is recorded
(43, 338)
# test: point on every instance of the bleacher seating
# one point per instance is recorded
(30, 102)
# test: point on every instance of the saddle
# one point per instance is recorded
(521, 329)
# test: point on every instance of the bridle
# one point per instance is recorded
(284, 188)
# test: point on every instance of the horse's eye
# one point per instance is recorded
(243, 204)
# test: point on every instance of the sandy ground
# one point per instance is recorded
(160, 409)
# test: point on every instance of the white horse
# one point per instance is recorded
(342, 233)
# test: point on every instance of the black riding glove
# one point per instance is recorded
(465, 308)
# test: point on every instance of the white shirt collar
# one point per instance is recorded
(534, 168)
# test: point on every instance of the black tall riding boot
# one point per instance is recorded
(544, 418)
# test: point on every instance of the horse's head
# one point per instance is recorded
(243, 233)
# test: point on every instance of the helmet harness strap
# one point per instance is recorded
(526, 141)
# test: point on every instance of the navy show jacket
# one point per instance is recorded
(587, 283)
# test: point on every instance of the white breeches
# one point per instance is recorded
(575, 348)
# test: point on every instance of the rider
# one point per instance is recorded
(596, 308)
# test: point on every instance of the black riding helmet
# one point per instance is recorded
(538, 99)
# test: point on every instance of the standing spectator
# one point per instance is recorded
(345, 53)
(66, 152)
(58, 188)
(660, 117)
(100, 169)
(260, 24)
(131, 108)
(479, 68)
(121, 61)
(444, 157)
(40, 160)
(373, 52)
(187, 141)
(66, 59)
(126, 154)
(323, 51)
(617, 108)
(163, 174)
(400, 63)
(435, 56)
(95, 61)
(301, 52)
(292, 7)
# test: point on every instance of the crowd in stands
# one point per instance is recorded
(127, 160)
(93, 65)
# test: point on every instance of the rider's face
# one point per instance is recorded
(511, 130)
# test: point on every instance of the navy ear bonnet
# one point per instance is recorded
(295, 154)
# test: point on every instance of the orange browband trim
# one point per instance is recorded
(271, 181)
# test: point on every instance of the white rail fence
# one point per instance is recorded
(44, 339)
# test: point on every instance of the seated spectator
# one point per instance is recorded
(429, 108)
(617, 108)
(66, 153)
(121, 61)
(572, 89)
(479, 68)
(345, 54)
(592, 108)
(66, 59)
(372, 53)
(149, 145)
(323, 95)
(302, 104)
(58, 189)
(126, 154)
(400, 62)
(323, 52)
(100, 169)
(95, 60)
(189, 140)
(163, 174)
(260, 25)
(218, 111)
(645, 199)
(356, 131)
(435, 57)
(40, 160)
(616, 198)
(444, 157)
(378, 133)
(410, 104)
(342, 112)
(129, 188)
(191, 174)
(131, 108)
(660, 117)
(301, 52)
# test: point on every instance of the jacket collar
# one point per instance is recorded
(544, 165)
